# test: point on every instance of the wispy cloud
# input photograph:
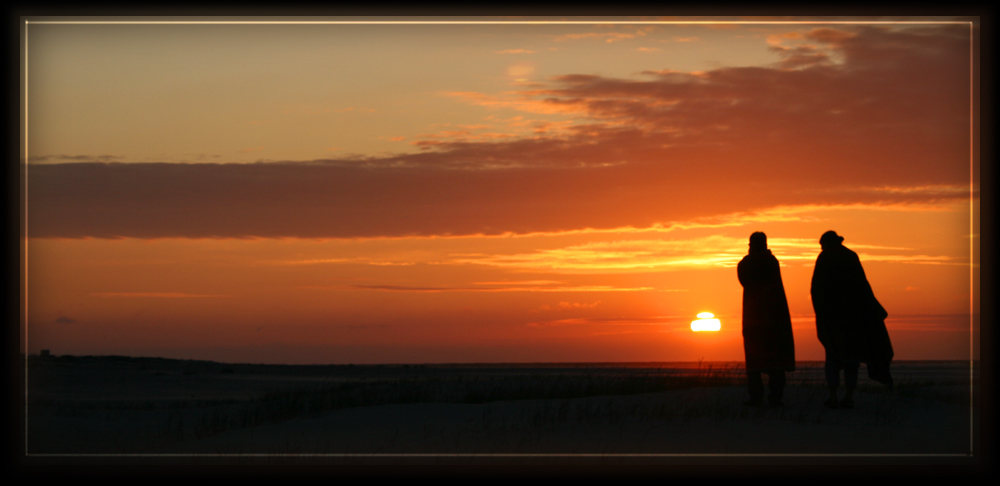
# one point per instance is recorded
(661, 255)
(352, 261)
(530, 288)
(318, 261)
(933, 189)
(155, 295)
(605, 36)
(450, 137)
(917, 259)
(515, 51)
(666, 321)
(523, 282)
(623, 255)
(570, 306)
(74, 158)
(516, 100)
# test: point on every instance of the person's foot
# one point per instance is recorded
(831, 402)
(776, 404)
(752, 403)
(846, 403)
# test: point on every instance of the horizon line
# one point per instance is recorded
(470, 363)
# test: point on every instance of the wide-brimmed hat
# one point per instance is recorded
(830, 238)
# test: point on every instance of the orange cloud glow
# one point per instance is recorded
(582, 206)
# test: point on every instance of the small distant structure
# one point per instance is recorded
(44, 353)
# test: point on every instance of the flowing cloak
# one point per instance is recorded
(767, 325)
(849, 320)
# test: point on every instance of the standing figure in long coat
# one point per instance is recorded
(767, 325)
(850, 322)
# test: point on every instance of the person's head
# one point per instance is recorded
(758, 241)
(830, 239)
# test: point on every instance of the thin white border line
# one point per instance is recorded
(382, 22)
(26, 348)
(499, 22)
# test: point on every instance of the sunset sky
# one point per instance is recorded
(488, 192)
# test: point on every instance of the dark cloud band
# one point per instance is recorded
(864, 108)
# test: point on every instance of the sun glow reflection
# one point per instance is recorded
(705, 322)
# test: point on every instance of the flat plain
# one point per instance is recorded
(87, 408)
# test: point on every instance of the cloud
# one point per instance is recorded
(516, 127)
(355, 260)
(335, 200)
(605, 36)
(320, 261)
(641, 255)
(527, 288)
(65, 320)
(73, 158)
(918, 259)
(572, 305)
(515, 51)
(471, 134)
(657, 255)
(523, 282)
(613, 321)
(154, 295)
(881, 120)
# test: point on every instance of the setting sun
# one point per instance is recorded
(706, 322)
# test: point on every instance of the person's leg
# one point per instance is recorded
(755, 386)
(832, 371)
(776, 385)
(851, 382)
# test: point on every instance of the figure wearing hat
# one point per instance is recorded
(767, 326)
(850, 322)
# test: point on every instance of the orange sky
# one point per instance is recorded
(487, 193)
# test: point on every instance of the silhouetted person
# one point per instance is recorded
(767, 325)
(850, 322)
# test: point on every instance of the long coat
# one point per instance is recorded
(850, 321)
(767, 325)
